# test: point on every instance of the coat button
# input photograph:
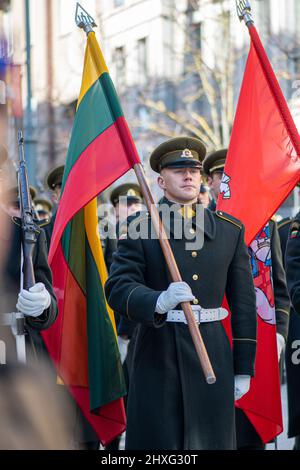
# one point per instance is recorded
(195, 277)
(194, 254)
(195, 301)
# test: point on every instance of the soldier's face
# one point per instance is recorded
(125, 209)
(56, 194)
(214, 183)
(180, 184)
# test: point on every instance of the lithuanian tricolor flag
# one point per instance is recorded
(83, 341)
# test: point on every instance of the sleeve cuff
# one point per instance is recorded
(140, 306)
(244, 351)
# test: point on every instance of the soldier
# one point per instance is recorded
(54, 183)
(39, 303)
(43, 207)
(127, 200)
(292, 263)
(213, 166)
(170, 405)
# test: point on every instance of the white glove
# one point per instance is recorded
(176, 293)
(280, 344)
(32, 303)
(241, 385)
(123, 346)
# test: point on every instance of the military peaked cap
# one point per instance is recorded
(180, 152)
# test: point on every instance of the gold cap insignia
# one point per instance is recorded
(131, 192)
(187, 154)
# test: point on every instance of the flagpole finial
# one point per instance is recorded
(243, 8)
(84, 20)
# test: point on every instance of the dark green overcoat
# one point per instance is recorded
(170, 406)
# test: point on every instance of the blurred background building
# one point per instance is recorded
(177, 66)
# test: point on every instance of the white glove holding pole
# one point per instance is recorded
(241, 386)
(176, 293)
(32, 303)
(280, 344)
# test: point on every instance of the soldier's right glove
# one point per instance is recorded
(176, 293)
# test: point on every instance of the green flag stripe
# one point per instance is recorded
(98, 110)
(73, 245)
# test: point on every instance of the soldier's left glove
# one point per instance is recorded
(241, 385)
(280, 344)
(32, 303)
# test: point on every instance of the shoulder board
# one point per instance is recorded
(283, 222)
(295, 229)
(229, 218)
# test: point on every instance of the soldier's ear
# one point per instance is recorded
(161, 182)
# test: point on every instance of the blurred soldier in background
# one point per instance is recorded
(289, 229)
(54, 183)
(39, 303)
(43, 207)
(204, 196)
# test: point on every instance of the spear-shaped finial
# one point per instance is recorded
(243, 8)
(84, 20)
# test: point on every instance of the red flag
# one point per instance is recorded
(262, 168)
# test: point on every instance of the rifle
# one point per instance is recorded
(30, 232)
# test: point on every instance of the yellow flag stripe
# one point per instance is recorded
(92, 232)
(94, 65)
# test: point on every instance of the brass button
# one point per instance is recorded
(195, 301)
(194, 254)
(192, 231)
(195, 277)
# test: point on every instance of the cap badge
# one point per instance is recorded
(187, 154)
(131, 192)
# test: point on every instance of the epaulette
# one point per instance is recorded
(229, 218)
(283, 222)
(295, 228)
